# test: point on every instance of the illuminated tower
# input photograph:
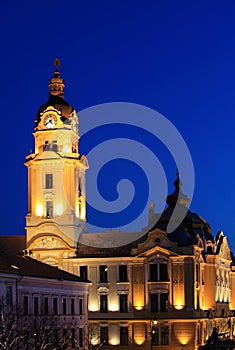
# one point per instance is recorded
(56, 174)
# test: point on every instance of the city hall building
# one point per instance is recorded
(162, 290)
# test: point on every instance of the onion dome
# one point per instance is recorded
(56, 96)
(189, 226)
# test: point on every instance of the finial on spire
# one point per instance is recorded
(56, 83)
(56, 62)
(178, 174)
(177, 182)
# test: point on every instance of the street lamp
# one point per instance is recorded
(153, 333)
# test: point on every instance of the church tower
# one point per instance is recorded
(56, 177)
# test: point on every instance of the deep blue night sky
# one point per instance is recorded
(176, 57)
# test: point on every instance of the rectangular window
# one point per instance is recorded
(35, 306)
(153, 269)
(45, 306)
(104, 335)
(26, 340)
(26, 305)
(163, 302)
(155, 336)
(163, 273)
(80, 306)
(9, 297)
(64, 306)
(103, 303)
(73, 337)
(54, 146)
(80, 337)
(83, 272)
(47, 332)
(158, 272)
(123, 273)
(64, 336)
(165, 335)
(46, 146)
(123, 335)
(49, 209)
(159, 302)
(154, 302)
(49, 180)
(55, 336)
(72, 306)
(103, 274)
(123, 302)
(55, 306)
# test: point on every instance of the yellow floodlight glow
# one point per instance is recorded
(138, 307)
(39, 210)
(59, 209)
(113, 307)
(113, 341)
(93, 308)
(139, 341)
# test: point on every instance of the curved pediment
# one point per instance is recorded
(156, 239)
(48, 241)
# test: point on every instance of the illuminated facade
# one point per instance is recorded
(164, 290)
(56, 175)
(42, 307)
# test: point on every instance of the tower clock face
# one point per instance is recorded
(74, 125)
(50, 121)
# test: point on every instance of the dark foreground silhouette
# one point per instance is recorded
(215, 343)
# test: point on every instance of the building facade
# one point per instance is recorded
(162, 290)
(41, 306)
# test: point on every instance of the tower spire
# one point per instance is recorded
(56, 83)
(177, 195)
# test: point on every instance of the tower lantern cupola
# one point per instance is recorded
(56, 83)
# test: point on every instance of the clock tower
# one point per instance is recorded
(56, 179)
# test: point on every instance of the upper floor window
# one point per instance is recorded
(123, 303)
(45, 305)
(123, 335)
(158, 272)
(9, 296)
(64, 306)
(72, 306)
(55, 306)
(83, 272)
(80, 306)
(36, 306)
(49, 209)
(103, 303)
(103, 273)
(159, 302)
(46, 146)
(123, 273)
(54, 146)
(49, 180)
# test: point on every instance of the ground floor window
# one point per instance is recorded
(123, 335)
(104, 335)
(160, 335)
